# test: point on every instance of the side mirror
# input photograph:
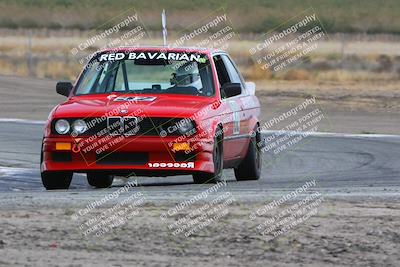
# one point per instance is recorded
(64, 88)
(231, 89)
(251, 88)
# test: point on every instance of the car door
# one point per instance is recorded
(237, 78)
(234, 141)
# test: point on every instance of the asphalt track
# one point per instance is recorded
(342, 165)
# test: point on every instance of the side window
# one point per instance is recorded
(233, 73)
(223, 76)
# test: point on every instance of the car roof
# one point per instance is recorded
(187, 49)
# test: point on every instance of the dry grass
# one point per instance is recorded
(12, 68)
(57, 70)
(344, 76)
(297, 74)
(362, 61)
(254, 72)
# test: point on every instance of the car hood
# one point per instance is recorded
(147, 105)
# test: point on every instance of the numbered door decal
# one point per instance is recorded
(236, 116)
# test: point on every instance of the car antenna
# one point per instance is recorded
(164, 26)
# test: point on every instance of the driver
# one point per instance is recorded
(187, 75)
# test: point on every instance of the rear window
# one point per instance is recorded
(147, 73)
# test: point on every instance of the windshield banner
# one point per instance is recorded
(153, 56)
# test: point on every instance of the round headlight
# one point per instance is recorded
(62, 126)
(79, 126)
(185, 126)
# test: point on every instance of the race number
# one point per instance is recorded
(236, 116)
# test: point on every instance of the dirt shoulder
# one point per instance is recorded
(342, 233)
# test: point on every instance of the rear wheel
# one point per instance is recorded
(56, 180)
(250, 167)
(100, 180)
(216, 176)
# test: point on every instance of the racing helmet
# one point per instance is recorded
(187, 75)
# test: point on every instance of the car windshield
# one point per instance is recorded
(147, 73)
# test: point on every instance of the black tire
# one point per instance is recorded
(56, 180)
(100, 180)
(250, 167)
(203, 178)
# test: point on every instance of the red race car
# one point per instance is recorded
(153, 111)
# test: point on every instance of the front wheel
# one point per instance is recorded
(56, 180)
(250, 167)
(202, 178)
(100, 180)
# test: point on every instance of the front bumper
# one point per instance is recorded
(120, 155)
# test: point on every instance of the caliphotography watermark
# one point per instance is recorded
(110, 212)
(215, 31)
(286, 213)
(289, 128)
(107, 133)
(125, 29)
(198, 212)
(287, 45)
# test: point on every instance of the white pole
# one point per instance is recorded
(164, 26)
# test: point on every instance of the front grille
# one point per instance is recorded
(138, 126)
(128, 126)
(122, 158)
